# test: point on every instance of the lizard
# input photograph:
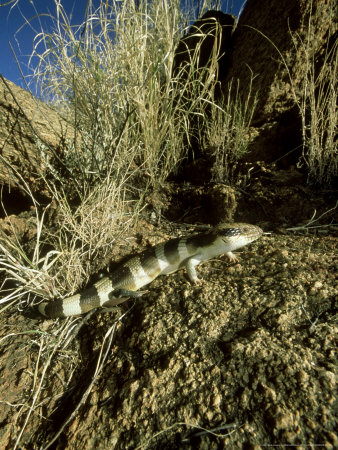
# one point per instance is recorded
(164, 258)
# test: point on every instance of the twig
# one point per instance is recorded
(205, 431)
(313, 220)
(99, 366)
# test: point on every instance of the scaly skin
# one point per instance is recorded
(164, 258)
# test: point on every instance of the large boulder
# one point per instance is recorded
(268, 59)
(199, 64)
(208, 38)
(30, 134)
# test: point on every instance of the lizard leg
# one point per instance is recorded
(119, 296)
(191, 270)
(126, 293)
(232, 257)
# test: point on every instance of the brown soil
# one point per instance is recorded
(248, 354)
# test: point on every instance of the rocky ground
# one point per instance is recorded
(246, 358)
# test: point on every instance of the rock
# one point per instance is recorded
(30, 133)
(20, 228)
(200, 61)
(212, 32)
(222, 203)
(261, 40)
(264, 52)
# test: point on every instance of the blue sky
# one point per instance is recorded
(12, 29)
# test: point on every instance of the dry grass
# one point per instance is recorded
(78, 237)
(227, 136)
(54, 362)
(318, 102)
(316, 96)
(111, 79)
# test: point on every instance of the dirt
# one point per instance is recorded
(244, 359)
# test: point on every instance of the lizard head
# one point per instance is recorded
(236, 235)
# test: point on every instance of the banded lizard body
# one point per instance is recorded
(164, 258)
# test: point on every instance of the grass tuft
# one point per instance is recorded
(318, 101)
(228, 133)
